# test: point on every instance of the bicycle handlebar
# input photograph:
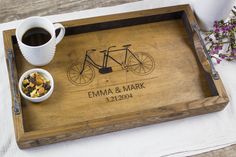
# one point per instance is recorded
(110, 47)
(91, 50)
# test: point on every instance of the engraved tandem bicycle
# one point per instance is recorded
(139, 63)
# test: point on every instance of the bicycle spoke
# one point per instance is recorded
(138, 57)
(74, 69)
(74, 76)
(145, 58)
(132, 61)
(143, 69)
(141, 63)
(83, 78)
(139, 69)
(78, 68)
(77, 78)
(148, 67)
(88, 76)
(133, 58)
(87, 70)
(74, 73)
(136, 68)
(149, 63)
(133, 65)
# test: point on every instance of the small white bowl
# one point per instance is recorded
(47, 75)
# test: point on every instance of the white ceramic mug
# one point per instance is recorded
(208, 11)
(42, 54)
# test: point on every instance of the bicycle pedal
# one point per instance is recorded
(105, 70)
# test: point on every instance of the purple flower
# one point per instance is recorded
(217, 59)
(218, 47)
(222, 56)
(217, 30)
(212, 52)
(216, 25)
(222, 34)
(225, 29)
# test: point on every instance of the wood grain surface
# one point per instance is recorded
(14, 10)
(155, 78)
(17, 9)
(68, 58)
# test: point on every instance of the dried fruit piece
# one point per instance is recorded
(31, 84)
(25, 82)
(39, 81)
(33, 94)
(47, 86)
(41, 91)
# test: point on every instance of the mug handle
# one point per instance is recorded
(62, 31)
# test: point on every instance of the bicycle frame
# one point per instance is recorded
(107, 56)
(90, 61)
(127, 50)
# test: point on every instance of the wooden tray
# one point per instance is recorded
(173, 82)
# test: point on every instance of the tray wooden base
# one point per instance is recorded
(172, 84)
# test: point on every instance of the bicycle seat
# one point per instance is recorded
(90, 51)
(128, 45)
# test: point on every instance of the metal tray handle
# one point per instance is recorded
(204, 57)
(13, 82)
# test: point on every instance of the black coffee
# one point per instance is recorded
(36, 37)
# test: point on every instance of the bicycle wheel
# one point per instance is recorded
(77, 78)
(141, 64)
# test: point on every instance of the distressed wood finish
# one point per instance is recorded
(177, 87)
